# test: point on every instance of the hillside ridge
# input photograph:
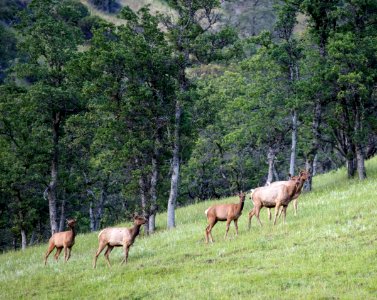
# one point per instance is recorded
(312, 256)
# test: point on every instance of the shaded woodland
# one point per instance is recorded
(98, 120)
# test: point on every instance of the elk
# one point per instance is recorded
(60, 240)
(224, 212)
(118, 237)
(273, 196)
(304, 176)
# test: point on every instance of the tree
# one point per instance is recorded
(288, 54)
(23, 161)
(50, 40)
(195, 19)
(322, 20)
(353, 74)
(133, 84)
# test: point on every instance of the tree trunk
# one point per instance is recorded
(175, 168)
(32, 238)
(153, 187)
(21, 220)
(315, 161)
(91, 215)
(144, 202)
(294, 143)
(315, 142)
(350, 157)
(351, 168)
(102, 201)
(271, 161)
(276, 174)
(360, 157)
(62, 216)
(23, 239)
(360, 162)
(52, 187)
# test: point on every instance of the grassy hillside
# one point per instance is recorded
(328, 251)
(155, 6)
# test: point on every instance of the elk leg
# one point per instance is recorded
(269, 213)
(280, 211)
(65, 253)
(49, 250)
(257, 211)
(210, 233)
(209, 230)
(277, 207)
(295, 206)
(107, 254)
(100, 249)
(58, 250)
(236, 225)
(227, 228)
(251, 214)
(207, 234)
(69, 253)
(284, 213)
(125, 259)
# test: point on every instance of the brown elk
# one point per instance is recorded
(60, 240)
(304, 176)
(273, 196)
(118, 237)
(224, 212)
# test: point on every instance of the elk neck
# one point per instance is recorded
(135, 230)
(240, 205)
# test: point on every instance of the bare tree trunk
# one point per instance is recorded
(144, 202)
(21, 220)
(91, 215)
(315, 142)
(271, 161)
(360, 157)
(351, 166)
(102, 201)
(294, 143)
(175, 168)
(153, 187)
(32, 238)
(314, 171)
(52, 187)
(23, 239)
(276, 175)
(62, 216)
(360, 162)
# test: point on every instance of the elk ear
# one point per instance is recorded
(289, 175)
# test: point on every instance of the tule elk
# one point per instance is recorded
(224, 212)
(273, 196)
(118, 237)
(60, 240)
(303, 175)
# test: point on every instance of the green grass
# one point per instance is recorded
(155, 7)
(328, 251)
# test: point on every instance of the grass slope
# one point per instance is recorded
(154, 5)
(328, 251)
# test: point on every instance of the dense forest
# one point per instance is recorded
(100, 120)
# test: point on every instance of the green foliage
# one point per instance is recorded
(113, 91)
(7, 49)
(23, 161)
